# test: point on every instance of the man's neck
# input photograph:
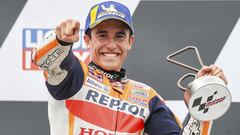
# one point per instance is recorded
(112, 75)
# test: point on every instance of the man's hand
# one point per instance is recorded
(68, 31)
(211, 70)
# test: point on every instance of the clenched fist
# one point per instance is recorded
(68, 31)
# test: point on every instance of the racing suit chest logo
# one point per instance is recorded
(110, 102)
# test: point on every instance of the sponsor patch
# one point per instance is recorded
(97, 85)
(51, 58)
(140, 93)
(141, 86)
(111, 10)
(137, 100)
(94, 75)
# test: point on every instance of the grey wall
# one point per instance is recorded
(164, 27)
(161, 28)
(23, 118)
(9, 11)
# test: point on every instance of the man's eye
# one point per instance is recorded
(102, 35)
(120, 36)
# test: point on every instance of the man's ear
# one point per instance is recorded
(87, 40)
(131, 42)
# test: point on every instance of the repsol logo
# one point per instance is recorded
(89, 131)
(114, 103)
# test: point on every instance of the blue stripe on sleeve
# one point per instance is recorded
(161, 120)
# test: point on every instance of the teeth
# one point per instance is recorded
(110, 54)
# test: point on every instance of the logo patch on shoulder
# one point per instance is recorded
(141, 85)
(140, 93)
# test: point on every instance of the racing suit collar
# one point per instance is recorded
(112, 75)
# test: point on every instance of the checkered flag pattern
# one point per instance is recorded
(202, 106)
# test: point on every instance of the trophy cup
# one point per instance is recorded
(210, 97)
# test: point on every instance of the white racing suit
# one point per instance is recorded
(87, 100)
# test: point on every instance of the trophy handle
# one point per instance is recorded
(169, 58)
(182, 78)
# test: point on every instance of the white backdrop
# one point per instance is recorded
(228, 60)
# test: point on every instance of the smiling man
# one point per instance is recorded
(109, 42)
(98, 98)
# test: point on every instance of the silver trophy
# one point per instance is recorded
(210, 97)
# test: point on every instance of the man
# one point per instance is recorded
(99, 99)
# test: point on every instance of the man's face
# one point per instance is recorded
(109, 43)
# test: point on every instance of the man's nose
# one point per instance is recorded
(111, 45)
